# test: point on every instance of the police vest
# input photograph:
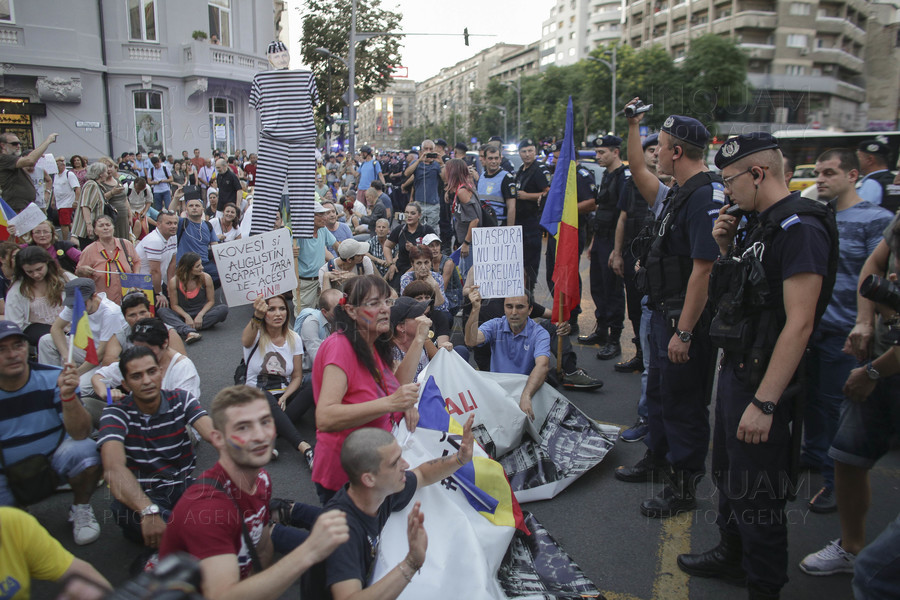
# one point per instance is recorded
(494, 183)
(890, 191)
(638, 214)
(747, 321)
(663, 275)
(607, 215)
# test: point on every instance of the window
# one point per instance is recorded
(142, 20)
(795, 70)
(559, 56)
(546, 30)
(220, 22)
(572, 35)
(221, 124)
(6, 12)
(800, 9)
(796, 40)
(148, 121)
(571, 51)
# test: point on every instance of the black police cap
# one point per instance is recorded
(874, 147)
(608, 141)
(687, 129)
(744, 145)
(526, 142)
(495, 138)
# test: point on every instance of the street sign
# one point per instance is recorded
(341, 121)
(88, 124)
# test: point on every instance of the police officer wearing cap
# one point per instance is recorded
(675, 271)
(770, 285)
(877, 185)
(585, 190)
(532, 184)
(607, 288)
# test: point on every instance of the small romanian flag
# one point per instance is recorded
(81, 330)
(132, 282)
(6, 213)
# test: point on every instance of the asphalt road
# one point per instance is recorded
(596, 519)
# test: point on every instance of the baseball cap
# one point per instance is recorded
(84, 285)
(318, 208)
(8, 328)
(350, 248)
(430, 239)
(406, 308)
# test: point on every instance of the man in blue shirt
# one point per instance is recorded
(518, 344)
(369, 171)
(311, 253)
(428, 184)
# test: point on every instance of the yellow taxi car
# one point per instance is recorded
(804, 176)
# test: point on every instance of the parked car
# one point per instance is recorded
(804, 176)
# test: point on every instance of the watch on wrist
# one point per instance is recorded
(684, 336)
(766, 407)
(153, 509)
(872, 372)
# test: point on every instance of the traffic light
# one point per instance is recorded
(466, 35)
(329, 121)
(356, 129)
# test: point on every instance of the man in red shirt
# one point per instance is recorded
(229, 506)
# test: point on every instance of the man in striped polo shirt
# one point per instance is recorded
(146, 450)
(41, 414)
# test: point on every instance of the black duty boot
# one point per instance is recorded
(677, 496)
(635, 365)
(722, 562)
(649, 468)
(598, 337)
(612, 348)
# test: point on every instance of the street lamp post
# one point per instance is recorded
(612, 69)
(518, 87)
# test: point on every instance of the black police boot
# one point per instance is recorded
(635, 365)
(756, 593)
(649, 468)
(676, 496)
(722, 562)
(598, 337)
(612, 348)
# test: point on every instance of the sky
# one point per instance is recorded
(510, 21)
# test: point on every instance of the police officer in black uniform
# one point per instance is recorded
(675, 269)
(607, 288)
(769, 286)
(586, 190)
(634, 215)
(533, 184)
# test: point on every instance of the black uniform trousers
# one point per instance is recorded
(532, 235)
(632, 295)
(607, 288)
(678, 399)
(753, 480)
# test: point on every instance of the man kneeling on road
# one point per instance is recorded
(379, 485)
(520, 345)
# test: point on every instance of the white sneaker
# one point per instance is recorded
(85, 527)
(829, 560)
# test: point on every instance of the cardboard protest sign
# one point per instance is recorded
(30, 217)
(497, 260)
(259, 265)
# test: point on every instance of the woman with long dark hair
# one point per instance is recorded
(353, 381)
(36, 297)
(465, 206)
(192, 299)
(273, 353)
(227, 227)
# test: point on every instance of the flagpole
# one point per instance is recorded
(559, 341)
(71, 347)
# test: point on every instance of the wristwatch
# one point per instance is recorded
(766, 407)
(153, 509)
(684, 336)
(872, 372)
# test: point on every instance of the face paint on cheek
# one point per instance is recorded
(236, 442)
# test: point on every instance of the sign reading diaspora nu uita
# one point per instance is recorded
(497, 260)
(260, 265)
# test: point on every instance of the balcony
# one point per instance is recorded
(11, 36)
(838, 57)
(759, 51)
(200, 59)
(755, 19)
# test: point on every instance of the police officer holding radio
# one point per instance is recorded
(607, 288)
(770, 285)
(675, 274)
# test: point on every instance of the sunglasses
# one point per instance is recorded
(13, 143)
(168, 212)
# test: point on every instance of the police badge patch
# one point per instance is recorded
(669, 122)
(730, 148)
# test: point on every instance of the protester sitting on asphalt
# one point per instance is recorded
(352, 260)
(35, 299)
(27, 551)
(380, 485)
(178, 371)
(494, 309)
(43, 415)
(230, 549)
(410, 347)
(148, 458)
(192, 298)
(135, 306)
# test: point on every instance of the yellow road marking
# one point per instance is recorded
(671, 583)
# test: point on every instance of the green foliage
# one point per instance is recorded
(715, 75)
(326, 24)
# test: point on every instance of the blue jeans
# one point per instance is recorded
(645, 349)
(287, 536)
(161, 199)
(876, 575)
(828, 369)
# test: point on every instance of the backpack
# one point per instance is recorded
(488, 214)
(182, 225)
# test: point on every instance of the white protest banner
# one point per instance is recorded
(28, 219)
(48, 164)
(497, 260)
(259, 265)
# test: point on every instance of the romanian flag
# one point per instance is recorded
(482, 481)
(81, 330)
(142, 283)
(560, 218)
(6, 213)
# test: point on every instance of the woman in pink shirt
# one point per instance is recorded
(353, 383)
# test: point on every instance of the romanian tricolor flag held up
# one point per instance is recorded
(142, 283)
(6, 213)
(81, 330)
(482, 481)
(560, 218)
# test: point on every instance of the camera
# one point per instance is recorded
(881, 291)
(637, 108)
(431, 155)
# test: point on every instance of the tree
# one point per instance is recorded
(649, 74)
(715, 75)
(326, 24)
